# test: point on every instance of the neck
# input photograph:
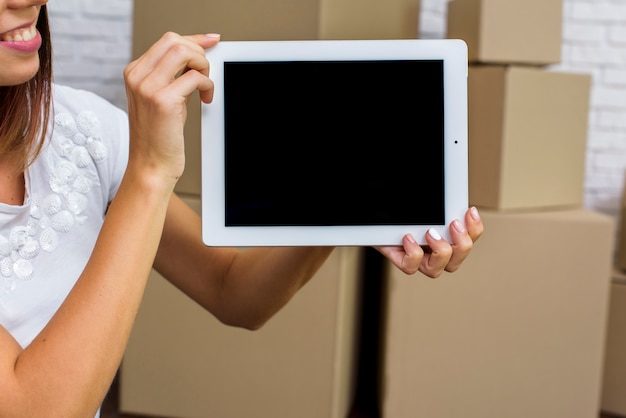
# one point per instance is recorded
(12, 185)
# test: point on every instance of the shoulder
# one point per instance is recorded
(87, 127)
(87, 112)
(72, 100)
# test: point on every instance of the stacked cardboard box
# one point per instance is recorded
(528, 126)
(614, 383)
(180, 361)
(527, 137)
(519, 330)
(508, 32)
(620, 254)
(614, 378)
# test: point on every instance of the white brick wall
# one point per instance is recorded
(92, 45)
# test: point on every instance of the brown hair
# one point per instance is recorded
(25, 108)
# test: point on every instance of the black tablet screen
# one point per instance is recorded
(315, 143)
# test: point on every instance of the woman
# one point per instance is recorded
(72, 279)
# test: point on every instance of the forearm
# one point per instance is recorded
(68, 368)
(242, 288)
(263, 280)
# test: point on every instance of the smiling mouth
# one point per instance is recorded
(20, 35)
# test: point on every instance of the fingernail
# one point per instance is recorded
(434, 234)
(474, 213)
(458, 226)
(410, 238)
(213, 35)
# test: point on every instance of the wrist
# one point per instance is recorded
(149, 180)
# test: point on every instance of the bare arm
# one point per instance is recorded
(240, 287)
(67, 369)
(245, 288)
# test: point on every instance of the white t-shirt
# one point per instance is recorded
(46, 242)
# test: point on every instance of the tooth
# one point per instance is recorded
(20, 35)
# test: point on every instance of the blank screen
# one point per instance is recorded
(319, 143)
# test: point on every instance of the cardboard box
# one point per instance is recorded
(507, 32)
(614, 382)
(518, 331)
(269, 20)
(181, 362)
(527, 137)
(620, 254)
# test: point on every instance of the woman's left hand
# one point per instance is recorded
(442, 256)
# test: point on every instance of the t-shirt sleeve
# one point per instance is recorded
(115, 137)
(119, 152)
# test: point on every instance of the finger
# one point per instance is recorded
(192, 81)
(463, 237)
(434, 263)
(474, 223)
(159, 86)
(205, 41)
(407, 257)
(462, 244)
(177, 60)
(147, 61)
(206, 93)
(162, 51)
(195, 43)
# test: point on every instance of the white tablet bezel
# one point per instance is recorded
(454, 56)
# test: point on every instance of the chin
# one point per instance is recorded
(15, 78)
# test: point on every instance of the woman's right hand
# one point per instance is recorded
(158, 86)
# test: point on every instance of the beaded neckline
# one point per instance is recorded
(58, 210)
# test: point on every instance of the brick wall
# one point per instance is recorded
(92, 45)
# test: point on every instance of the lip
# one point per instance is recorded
(26, 47)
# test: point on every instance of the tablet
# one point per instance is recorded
(334, 143)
